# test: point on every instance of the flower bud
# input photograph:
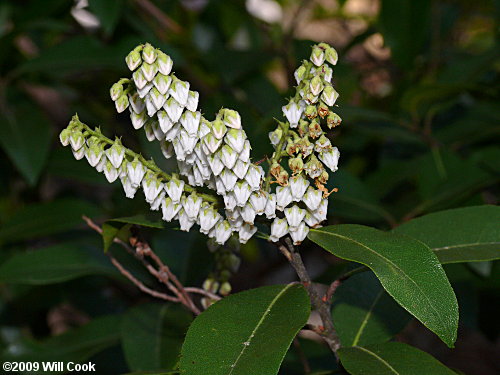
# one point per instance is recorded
(242, 192)
(133, 59)
(94, 153)
(149, 53)
(215, 163)
(236, 139)
(173, 109)
(136, 103)
(228, 179)
(279, 228)
(110, 172)
(151, 186)
(192, 205)
(179, 91)
(174, 188)
(329, 95)
(116, 91)
(128, 188)
(225, 289)
(169, 209)
(312, 198)
(164, 62)
(208, 218)
(240, 169)
(77, 140)
(192, 102)
(149, 71)
(275, 136)
(231, 118)
(156, 204)
(65, 136)
(79, 154)
(212, 143)
(270, 209)
(116, 153)
(317, 56)
(328, 73)
(228, 156)
(139, 79)
(185, 221)
(331, 55)
(135, 172)
(300, 73)
(121, 103)
(316, 85)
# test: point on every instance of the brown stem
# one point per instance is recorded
(302, 356)
(327, 331)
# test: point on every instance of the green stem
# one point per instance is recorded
(150, 164)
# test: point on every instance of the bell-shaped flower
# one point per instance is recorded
(159, 134)
(283, 197)
(215, 163)
(162, 84)
(220, 187)
(236, 139)
(148, 129)
(116, 91)
(331, 55)
(254, 176)
(218, 128)
(94, 154)
(248, 213)
(179, 150)
(316, 85)
(321, 212)
(191, 122)
(246, 232)
(151, 186)
(164, 62)
(331, 158)
(138, 119)
(245, 153)
(102, 164)
(150, 106)
(139, 79)
(229, 179)
(275, 136)
(142, 93)
(294, 216)
(208, 218)
(232, 118)
(156, 204)
(329, 95)
(167, 149)
(116, 153)
(149, 53)
(234, 218)
(179, 90)
(149, 71)
(311, 220)
(204, 128)
(136, 103)
(312, 198)
(240, 169)
(76, 140)
(192, 205)
(173, 109)
(192, 102)
(157, 98)
(135, 172)
(228, 156)
(317, 56)
(328, 74)
(128, 188)
(242, 193)
(188, 141)
(174, 188)
(133, 59)
(173, 132)
(211, 142)
(222, 232)
(270, 209)
(293, 111)
(64, 136)
(299, 234)
(230, 201)
(164, 121)
(79, 154)
(185, 221)
(279, 228)
(298, 187)
(169, 209)
(110, 172)
(259, 200)
(300, 73)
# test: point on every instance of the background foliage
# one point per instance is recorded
(418, 82)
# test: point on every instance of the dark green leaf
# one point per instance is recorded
(364, 314)
(391, 358)
(53, 265)
(407, 269)
(110, 232)
(152, 336)
(108, 12)
(149, 220)
(246, 333)
(469, 234)
(42, 219)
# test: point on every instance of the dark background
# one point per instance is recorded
(419, 98)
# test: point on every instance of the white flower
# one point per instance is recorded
(240, 168)
(221, 188)
(116, 91)
(139, 79)
(229, 179)
(232, 119)
(64, 136)
(293, 112)
(211, 143)
(275, 136)
(110, 172)
(138, 119)
(76, 140)
(248, 213)
(174, 189)
(136, 104)
(259, 200)
(208, 218)
(179, 90)
(254, 176)
(159, 134)
(279, 228)
(191, 122)
(149, 53)
(133, 59)
(102, 163)
(192, 102)
(230, 201)
(236, 139)
(215, 164)
(148, 129)
(294, 216)
(328, 74)
(164, 121)
(151, 186)
(79, 154)
(115, 154)
(144, 91)
(283, 197)
(270, 209)
(245, 153)
(228, 156)
(185, 221)
(157, 98)
(321, 212)
(162, 83)
(218, 128)
(164, 63)
(149, 71)
(192, 205)
(150, 106)
(156, 204)
(298, 235)
(129, 189)
(204, 128)
(242, 192)
(234, 218)
(187, 141)
(172, 133)
(94, 154)
(329, 95)
(331, 158)
(222, 232)
(246, 232)
(311, 220)
(312, 198)
(299, 74)
(298, 186)
(135, 171)
(316, 85)
(317, 56)
(169, 209)
(173, 109)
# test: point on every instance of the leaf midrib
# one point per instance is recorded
(379, 358)
(259, 323)
(472, 244)
(391, 263)
(367, 316)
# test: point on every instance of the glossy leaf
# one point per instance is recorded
(53, 264)
(391, 358)
(469, 234)
(246, 333)
(364, 314)
(406, 268)
(152, 336)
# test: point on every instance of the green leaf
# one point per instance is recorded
(152, 336)
(76, 345)
(246, 333)
(110, 232)
(469, 234)
(364, 314)
(42, 219)
(391, 358)
(407, 269)
(149, 220)
(53, 264)
(108, 12)
(25, 137)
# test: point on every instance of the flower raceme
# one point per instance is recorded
(216, 154)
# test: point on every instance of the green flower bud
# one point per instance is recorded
(303, 128)
(64, 136)
(133, 59)
(275, 136)
(225, 289)
(300, 73)
(121, 103)
(116, 91)
(331, 55)
(149, 53)
(219, 129)
(316, 85)
(311, 112)
(317, 55)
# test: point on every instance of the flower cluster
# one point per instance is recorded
(216, 154)
(302, 196)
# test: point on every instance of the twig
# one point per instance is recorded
(203, 292)
(155, 12)
(336, 283)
